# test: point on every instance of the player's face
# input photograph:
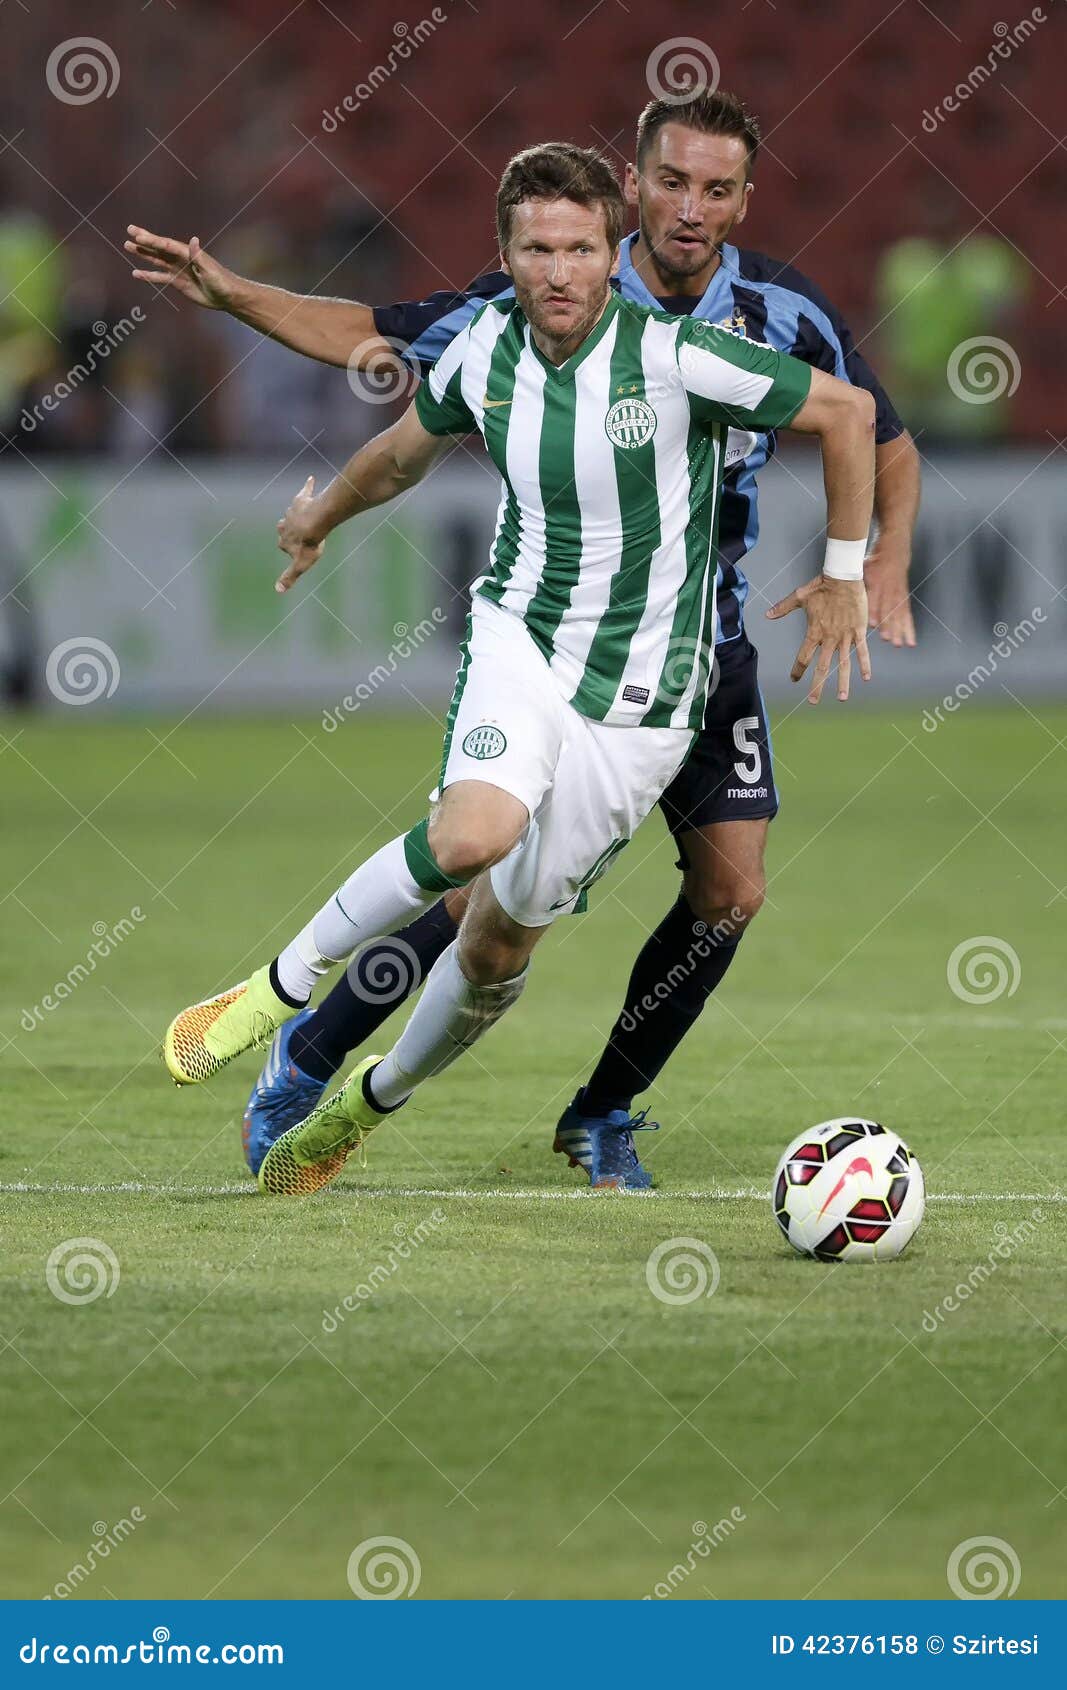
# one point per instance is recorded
(560, 260)
(690, 191)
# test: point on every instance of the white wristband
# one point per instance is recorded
(843, 560)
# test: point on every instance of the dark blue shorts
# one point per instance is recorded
(728, 776)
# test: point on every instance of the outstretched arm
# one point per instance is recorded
(386, 466)
(836, 601)
(335, 331)
(896, 481)
(753, 386)
(843, 418)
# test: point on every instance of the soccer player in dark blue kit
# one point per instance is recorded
(690, 186)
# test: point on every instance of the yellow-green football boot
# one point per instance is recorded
(313, 1153)
(204, 1037)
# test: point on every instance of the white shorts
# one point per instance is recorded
(587, 786)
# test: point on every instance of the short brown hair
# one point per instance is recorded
(557, 170)
(711, 112)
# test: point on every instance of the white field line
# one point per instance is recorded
(718, 1194)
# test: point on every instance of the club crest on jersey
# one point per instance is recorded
(484, 743)
(630, 423)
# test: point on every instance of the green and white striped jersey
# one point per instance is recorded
(612, 466)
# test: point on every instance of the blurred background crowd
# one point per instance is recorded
(913, 166)
(353, 150)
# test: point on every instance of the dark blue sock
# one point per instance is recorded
(679, 967)
(378, 979)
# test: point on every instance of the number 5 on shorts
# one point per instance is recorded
(749, 748)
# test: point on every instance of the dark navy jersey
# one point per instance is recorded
(750, 294)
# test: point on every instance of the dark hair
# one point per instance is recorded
(712, 112)
(556, 170)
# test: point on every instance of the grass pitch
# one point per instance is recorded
(504, 1392)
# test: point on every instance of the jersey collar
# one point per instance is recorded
(716, 299)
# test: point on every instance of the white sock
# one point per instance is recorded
(449, 1017)
(380, 896)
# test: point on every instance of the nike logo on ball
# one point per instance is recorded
(859, 1165)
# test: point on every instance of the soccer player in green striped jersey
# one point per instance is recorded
(612, 464)
(588, 658)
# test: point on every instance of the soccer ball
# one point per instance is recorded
(848, 1191)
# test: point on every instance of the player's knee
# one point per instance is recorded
(461, 849)
(726, 907)
(463, 846)
(460, 855)
(487, 959)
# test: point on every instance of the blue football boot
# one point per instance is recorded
(603, 1145)
(281, 1098)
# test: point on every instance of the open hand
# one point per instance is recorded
(885, 573)
(300, 533)
(184, 266)
(837, 621)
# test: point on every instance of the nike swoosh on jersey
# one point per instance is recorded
(489, 404)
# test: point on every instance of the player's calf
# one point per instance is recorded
(491, 946)
(724, 880)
